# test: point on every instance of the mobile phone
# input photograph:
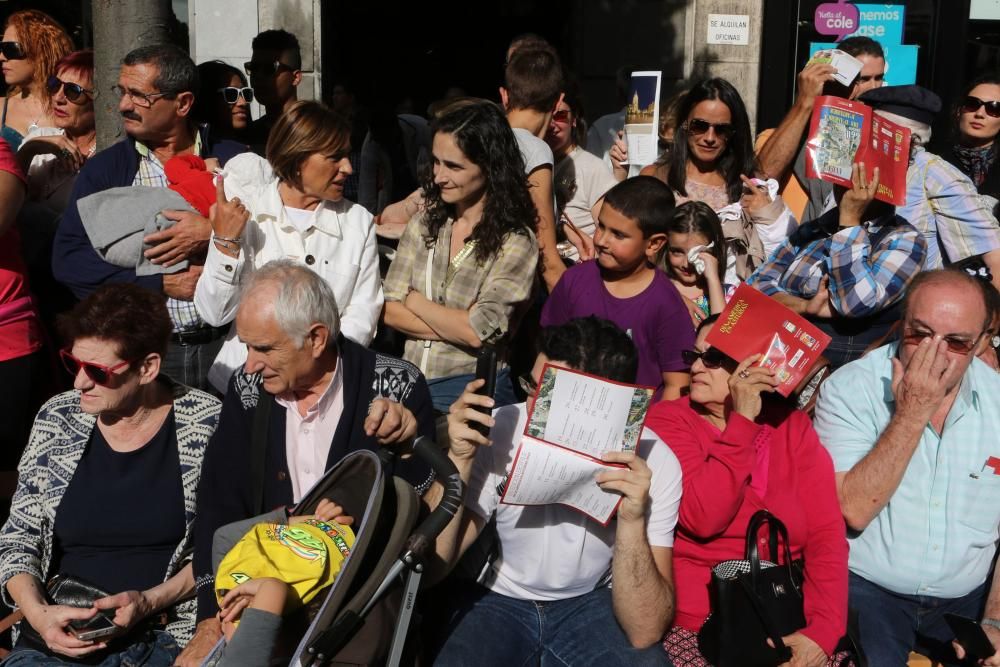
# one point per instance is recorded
(90, 629)
(971, 636)
(486, 369)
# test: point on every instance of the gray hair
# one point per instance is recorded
(920, 133)
(303, 298)
(176, 72)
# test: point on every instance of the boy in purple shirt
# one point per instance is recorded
(622, 285)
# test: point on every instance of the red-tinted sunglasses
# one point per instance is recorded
(99, 373)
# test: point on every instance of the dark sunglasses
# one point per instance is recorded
(232, 94)
(272, 67)
(99, 373)
(12, 51)
(699, 126)
(972, 104)
(711, 358)
(956, 345)
(72, 91)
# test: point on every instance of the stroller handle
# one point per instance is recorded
(454, 492)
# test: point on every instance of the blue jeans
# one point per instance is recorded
(494, 629)
(160, 650)
(892, 624)
(189, 364)
(444, 391)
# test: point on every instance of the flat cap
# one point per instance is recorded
(913, 102)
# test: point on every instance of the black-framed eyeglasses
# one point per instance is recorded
(144, 100)
(12, 51)
(232, 94)
(72, 91)
(711, 358)
(699, 126)
(971, 104)
(266, 67)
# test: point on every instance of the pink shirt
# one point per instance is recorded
(308, 438)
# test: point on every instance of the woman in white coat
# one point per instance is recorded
(291, 206)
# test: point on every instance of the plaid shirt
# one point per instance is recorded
(941, 201)
(490, 292)
(183, 314)
(869, 266)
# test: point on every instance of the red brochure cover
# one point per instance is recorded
(755, 323)
(843, 132)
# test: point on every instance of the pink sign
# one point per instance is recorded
(838, 19)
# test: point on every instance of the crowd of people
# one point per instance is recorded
(234, 324)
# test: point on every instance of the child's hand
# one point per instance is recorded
(327, 510)
(262, 593)
(711, 265)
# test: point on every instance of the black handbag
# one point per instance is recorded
(753, 601)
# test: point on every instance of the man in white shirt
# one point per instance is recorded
(547, 596)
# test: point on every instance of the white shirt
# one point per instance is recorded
(552, 552)
(589, 180)
(308, 438)
(340, 245)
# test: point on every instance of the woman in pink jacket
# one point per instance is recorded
(741, 453)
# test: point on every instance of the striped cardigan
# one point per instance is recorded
(58, 439)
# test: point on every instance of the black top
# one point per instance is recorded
(122, 515)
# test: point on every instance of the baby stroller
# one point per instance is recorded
(367, 611)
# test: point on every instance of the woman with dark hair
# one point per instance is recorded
(712, 160)
(972, 143)
(741, 452)
(466, 265)
(291, 206)
(580, 178)
(223, 100)
(32, 44)
(106, 493)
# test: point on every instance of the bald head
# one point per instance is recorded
(955, 291)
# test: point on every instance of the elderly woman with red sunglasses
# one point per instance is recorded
(972, 145)
(741, 452)
(106, 492)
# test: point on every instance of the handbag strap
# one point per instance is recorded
(258, 452)
(777, 536)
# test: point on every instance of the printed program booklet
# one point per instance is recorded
(755, 323)
(642, 120)
(843, 132)
(576, 418)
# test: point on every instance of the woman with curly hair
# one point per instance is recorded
(32, 45)
(465, 266)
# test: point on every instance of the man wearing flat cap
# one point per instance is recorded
(941, 201)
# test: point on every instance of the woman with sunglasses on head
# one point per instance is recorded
(53, 156)
(32, 44)
(712, 161)
(106, 492)
(741, 452)
(223, 100)
(972, 144)
(580, 178)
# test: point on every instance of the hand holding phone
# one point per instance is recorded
(970, 636)
(486, 369)
(99, 626)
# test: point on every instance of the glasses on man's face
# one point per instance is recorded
(12, 51)
(144, 100)
(99, 373)
(710, 358)
(699, 126)
(971, 105)
(72, 91)
(232, 94)
(265, 67)
(956, 344)
(527, 384)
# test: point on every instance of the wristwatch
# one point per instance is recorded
(992, 622)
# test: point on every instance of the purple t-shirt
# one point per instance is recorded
(656, 319)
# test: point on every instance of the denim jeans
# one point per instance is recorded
(160, 650)
(444, 391)
(892, 624)
(189, 364)
(494, 629)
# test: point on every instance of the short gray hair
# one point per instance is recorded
(176, 72)
(303, 298)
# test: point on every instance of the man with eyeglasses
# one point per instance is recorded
(155, 87)
(275, 71)
(781, 152)
(912, 429)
